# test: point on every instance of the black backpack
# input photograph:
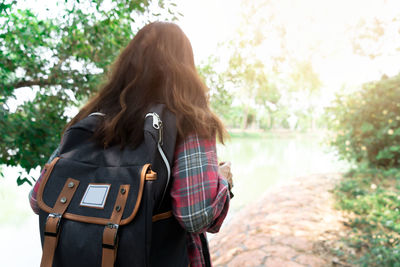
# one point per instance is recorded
(106, 207)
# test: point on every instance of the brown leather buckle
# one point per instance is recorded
(53, 216)
(113, 227)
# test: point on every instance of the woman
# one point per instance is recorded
(158, 66)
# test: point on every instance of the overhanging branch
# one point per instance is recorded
(24, 83)
(41, 81)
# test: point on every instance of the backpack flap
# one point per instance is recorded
(97, 192)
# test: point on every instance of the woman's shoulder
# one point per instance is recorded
(194, 140)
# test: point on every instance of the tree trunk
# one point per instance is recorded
(270, 119)
(313, 123)
(313, 120)
(245, 117)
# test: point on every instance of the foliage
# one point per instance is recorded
(367, 129)
(370, 35)
(220, 98)
(305, 78)
(60, 58)
(248, 75)
(367, 123)
(247, 71)
(373, 196)
(265, 75)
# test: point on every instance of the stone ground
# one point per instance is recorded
(292, 225)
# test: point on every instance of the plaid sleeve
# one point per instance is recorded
(33, 192)
(200, 197)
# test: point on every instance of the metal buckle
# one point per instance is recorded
(112, 226)
(56, 216)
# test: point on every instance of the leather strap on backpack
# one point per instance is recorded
(52, 227)
(110, 237)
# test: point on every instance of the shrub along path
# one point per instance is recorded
(294, 224)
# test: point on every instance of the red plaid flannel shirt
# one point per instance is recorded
(200, 196)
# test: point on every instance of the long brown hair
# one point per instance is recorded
(157, 66)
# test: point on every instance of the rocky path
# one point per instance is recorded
(291, 225)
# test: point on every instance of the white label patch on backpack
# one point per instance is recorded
(95, 196)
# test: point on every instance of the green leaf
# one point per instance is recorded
(366, 127)
(395, 148)
(22, 181)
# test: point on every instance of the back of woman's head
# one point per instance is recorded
(157, 66)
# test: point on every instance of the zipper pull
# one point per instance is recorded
(158, 125)
(160, 134)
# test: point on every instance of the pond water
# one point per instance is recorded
(257, 164)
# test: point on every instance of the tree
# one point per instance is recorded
(220, 98)
(248, 75)
(60, 58)
(272, 67)
(306, 83)
(257, 52)
(370, 37)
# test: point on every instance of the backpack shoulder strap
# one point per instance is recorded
(163, 121)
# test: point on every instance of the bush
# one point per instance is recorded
(367, 123)
(367, 131)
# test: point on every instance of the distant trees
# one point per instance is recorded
(271, 71)
(263, 76)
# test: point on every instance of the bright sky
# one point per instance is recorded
(207, 23)
(322, 24)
